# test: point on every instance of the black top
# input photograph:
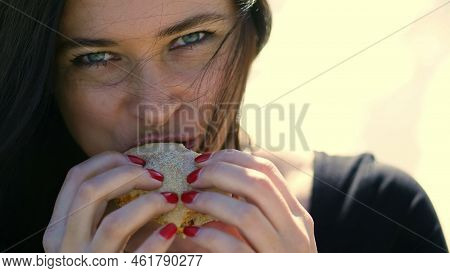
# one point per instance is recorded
(361, 205)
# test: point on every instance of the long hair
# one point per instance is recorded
(250, 34)
(36, 149)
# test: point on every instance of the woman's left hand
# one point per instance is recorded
(271, 219)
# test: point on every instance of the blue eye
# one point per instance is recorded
(190, 39)
(98, 58)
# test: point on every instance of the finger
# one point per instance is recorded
(95, 192)
(227, 228)
(89, 168)
(118, 226)
(250, 221)
(95, 165)
(159, 241)
(255, 186)
(216, 240)
(261, 164)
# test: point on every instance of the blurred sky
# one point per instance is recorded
(390, 100)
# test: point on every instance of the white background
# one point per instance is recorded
(391, 100)
(263, 262)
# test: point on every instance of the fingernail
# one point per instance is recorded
(190, 231)
(202, 158)
(170, 197)
(136, 160)
(192, 177)
(188, 196)
(168, 231)
(156, 175)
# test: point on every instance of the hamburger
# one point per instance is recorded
(175, 162)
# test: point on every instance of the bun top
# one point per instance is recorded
(173, 160)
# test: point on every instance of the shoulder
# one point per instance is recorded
(363, 174)
(380, 203)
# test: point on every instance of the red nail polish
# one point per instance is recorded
(156, 175)
(170, 197)
(136, 160)
(192, 177)
(202, 158)
(168, 231)
(190, 231)
(188, 196)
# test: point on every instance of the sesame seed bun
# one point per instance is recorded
(175, 162)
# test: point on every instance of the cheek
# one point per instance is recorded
(198, 73)
(90, 116)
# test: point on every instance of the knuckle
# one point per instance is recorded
(131, 169)
(117, 158)
(51, 241)
(215, 168)
(87, 191)
(215, 239)
(155, 201)
(112, 225)
(266, 165)
(47, 242)
(111, 155)
(222, 243)
(248, 214)
(260, 180)
(204, 199)
(74, 172)
(130, 173)
(309, 221)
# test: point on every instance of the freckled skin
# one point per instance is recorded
(101, 104)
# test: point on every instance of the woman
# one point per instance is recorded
(83, 81)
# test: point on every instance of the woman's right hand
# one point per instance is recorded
(77, 225)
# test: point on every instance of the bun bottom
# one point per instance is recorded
(180, 216)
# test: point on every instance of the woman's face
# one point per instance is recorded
(127, 70)
(130, 71)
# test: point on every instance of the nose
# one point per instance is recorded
(155, 93)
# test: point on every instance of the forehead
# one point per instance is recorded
(127, 18)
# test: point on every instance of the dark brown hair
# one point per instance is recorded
(250, 34)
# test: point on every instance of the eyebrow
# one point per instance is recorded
(69, 43)
(191, 22)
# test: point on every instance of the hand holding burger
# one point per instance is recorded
(174, 162)
(268, 217)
